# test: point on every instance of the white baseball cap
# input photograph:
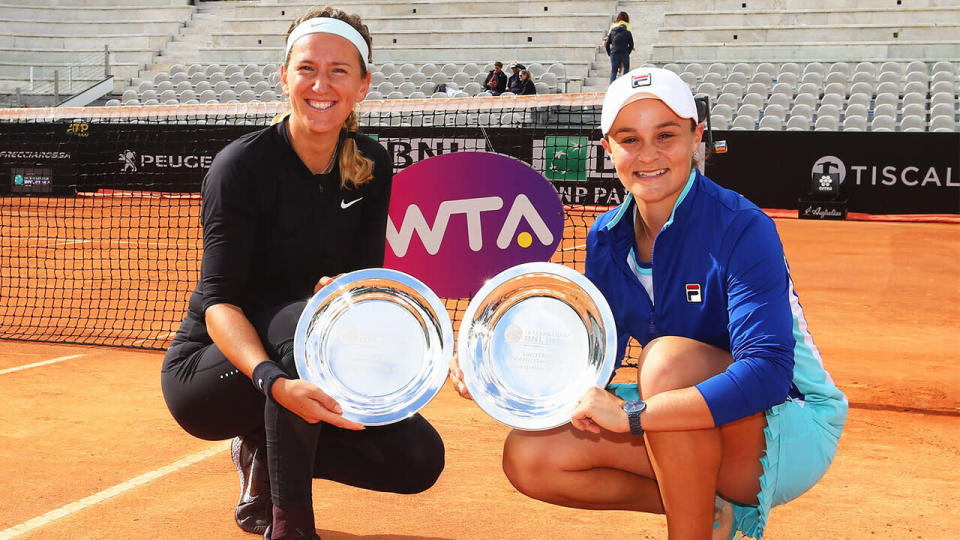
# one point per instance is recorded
(642, 83)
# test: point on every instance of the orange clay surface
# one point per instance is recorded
(883, 302)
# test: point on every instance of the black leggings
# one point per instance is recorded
(212, 400)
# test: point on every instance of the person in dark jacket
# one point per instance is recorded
(496, 80)
(619, 45)
(525, 86)
(513, 83)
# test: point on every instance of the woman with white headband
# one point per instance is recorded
(285, 208)
(733, 412)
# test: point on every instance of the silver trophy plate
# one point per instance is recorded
(532, 341)
(378, 341)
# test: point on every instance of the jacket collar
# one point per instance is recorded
(624, 211)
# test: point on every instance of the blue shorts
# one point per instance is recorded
(800, 445)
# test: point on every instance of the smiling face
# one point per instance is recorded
(324, 78)
(652, 150)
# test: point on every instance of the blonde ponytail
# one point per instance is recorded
(355, 169)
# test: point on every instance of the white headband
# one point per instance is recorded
(328, 25)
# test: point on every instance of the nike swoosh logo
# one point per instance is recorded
(345, 204)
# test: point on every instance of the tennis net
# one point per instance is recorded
(100, 239)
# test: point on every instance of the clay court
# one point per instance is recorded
(89, 450)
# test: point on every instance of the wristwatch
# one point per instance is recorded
(634, 409)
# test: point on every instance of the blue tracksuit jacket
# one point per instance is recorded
(720, 277)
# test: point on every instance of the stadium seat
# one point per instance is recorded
(743, 123)
(812, 78)
(439, 78)
(558, 69)
(216, 78)
(160, 77)
(782, 88)
(788, 78)
(840, 67)
(733, 88)
(913, 109)
(195, 68)
(388, 68)
(213, 68)
(790, 67)
(221, 86)
(776, 110)
(241, 87)
(942, 109)
(862, 88)
(828, 110)
(246, 96)
(722, 109)
(728, 99)
(835, 88)
(914, 98)
(227, 96)
(449, 69)
(269, 69)
(913, 124)
(741, 67)
(883, 123)
(798, 123)
(890, 76)
(719, 122)
(428, 87)
(718, 68)
(889, 87)
(855, 109)
(805, 99)
(396, 78)
(836, 77)
(549, 78)
(406, 88)
(915, 86)
(112, 103)
(428, 69)
(781, 100)
(749, 110)
(937, 77)
(943, 124)
(166, 96)
(883, 98)
(815, 67)
(756, 100)
(196, 78)
(917, 66)
(439, 95)
(944, 66)
(386, 87)
(695, 68)
(417, 95)
(885, 109)
(866, 67)
(943, 97)
(373, 94)
(202, 85)
(770, 123)
(186, 95)
(855, 123)
(713, 78)
(417, 79)
(461, 78)
(376, 78)
(826, 123)
(860, 99)
(801, 109)
(708, 89)
(250, 69)
(917, 76)
(892, 67)
(148, 94)
(762, 77)
(235, 78)
(128, 94)
(395, 95)
(863, 76)
(407, 69)
(542, 88)
(671, 67)
(689, 78)
(738, 78)
(472, 88)
(206, 96)
(768, 68)
(255, 77)
(178, 68)
(231, 69)
(536, 69)
(942, 86)
(144, 86)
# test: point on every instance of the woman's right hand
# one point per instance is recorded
(456, 377)
(307, 401)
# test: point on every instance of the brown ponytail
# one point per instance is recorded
(355, 168)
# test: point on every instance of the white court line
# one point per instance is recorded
(122, 487)
(38, 364)
(581, 246)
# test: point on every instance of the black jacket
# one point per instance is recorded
(619, 40)
(501, 80)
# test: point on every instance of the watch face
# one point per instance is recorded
(634, 406)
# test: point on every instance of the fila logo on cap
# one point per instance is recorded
(693, 293)
(642, 79)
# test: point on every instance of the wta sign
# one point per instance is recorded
(458, 219)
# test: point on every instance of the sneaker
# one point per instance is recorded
(254, 509)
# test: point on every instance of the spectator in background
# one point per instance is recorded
(513, 83)
(619, 45)
(496, 80)
(526, 86)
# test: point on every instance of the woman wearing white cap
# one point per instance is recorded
(733, 412)
(284, 208)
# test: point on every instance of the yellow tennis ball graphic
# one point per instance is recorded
(524, 239)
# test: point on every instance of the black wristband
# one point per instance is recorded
(265, 374)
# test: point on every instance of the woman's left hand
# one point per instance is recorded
(600, 410)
